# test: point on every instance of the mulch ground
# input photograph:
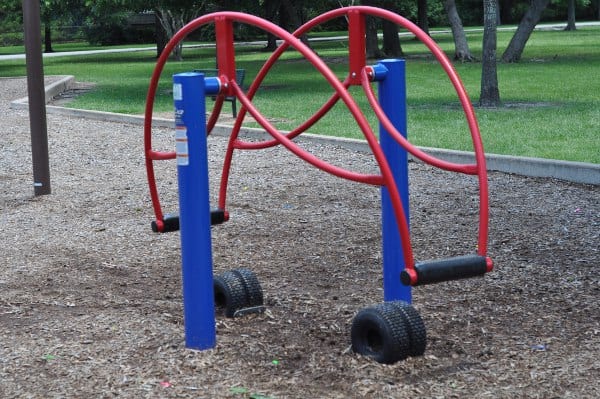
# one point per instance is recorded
(91, 301)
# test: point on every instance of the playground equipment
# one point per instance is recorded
(387, 332)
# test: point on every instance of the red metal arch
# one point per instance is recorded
(357, 75)
(227, 18)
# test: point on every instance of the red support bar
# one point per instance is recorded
(161, 155)
(225, 52)
(356, 45)
(357, 58)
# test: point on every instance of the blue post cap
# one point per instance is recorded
(379, 72)
(212, 85)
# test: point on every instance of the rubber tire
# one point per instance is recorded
(380, 332)
(417, 334)
(230, 293)
(254, 293)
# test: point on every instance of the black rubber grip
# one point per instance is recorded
(218, 216)
(171, 221)
(436, 271)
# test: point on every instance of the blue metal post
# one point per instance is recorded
(392, 97)
(194, 210)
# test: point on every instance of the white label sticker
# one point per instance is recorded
(177, 92)
(181, 146)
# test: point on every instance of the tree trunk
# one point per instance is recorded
(160, 35)
(46, 19)
(490, 94)
(571, 15)
(422, 15)
(271, 42)
(505, 9)
(461, 46)
(271, 7)
(517, 44)
(498, 20)
(290, 14)
(48, 38)
(371, 39)
(172, 21)
(391, 42)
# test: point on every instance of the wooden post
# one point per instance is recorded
(37, 99)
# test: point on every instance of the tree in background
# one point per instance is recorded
(11, 21)
(289, 15)
(391, 43)
(271, 9)
(47, 15)
(490, 93)
(422, 16)
(570, 15)
(461, 46)
(517, 44)
(52, 11)
(573, 6)
(173, 15)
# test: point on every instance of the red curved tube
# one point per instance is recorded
(298, 151)
(340, 92)
(470, 169)
(386, 178)
(161, 155)
(325, 108)
(340, 89)
(458, 86)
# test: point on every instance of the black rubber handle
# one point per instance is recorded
(218, 216)
(171, 221)
(436, 271)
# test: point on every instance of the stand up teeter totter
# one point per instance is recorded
(387, 332)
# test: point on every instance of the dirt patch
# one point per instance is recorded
(91, 303)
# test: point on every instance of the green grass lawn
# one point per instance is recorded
(69, 46)
(551, 98)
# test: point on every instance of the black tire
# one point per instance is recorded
(230, 293)
(417, 334)
(380, 332)
(254, 293)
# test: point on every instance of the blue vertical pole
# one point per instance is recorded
(392, 97)
(194, 210)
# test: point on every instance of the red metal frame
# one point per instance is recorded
(357, 45)
(358, 74)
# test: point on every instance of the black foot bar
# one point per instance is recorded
(171, 221)
(436, 271)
